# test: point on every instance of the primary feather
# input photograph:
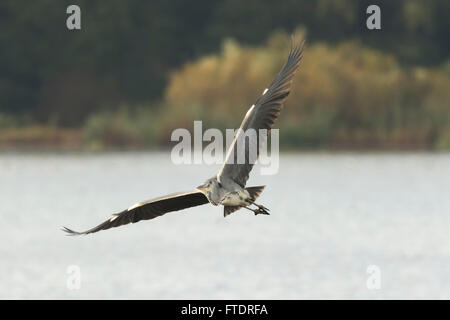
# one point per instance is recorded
(262, 115)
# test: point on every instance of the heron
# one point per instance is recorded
(227, 188)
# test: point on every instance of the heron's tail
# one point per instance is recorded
(255, 192)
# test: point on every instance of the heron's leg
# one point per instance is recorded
(260, 210)
(261, 207)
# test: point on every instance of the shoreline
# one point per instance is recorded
(57, 139)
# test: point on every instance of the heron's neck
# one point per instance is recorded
(215, 195)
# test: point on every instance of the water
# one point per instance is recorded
(333, 215)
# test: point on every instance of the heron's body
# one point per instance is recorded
(226, 193)
(227, 188)
(238, 198)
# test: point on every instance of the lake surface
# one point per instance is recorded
(333, 216)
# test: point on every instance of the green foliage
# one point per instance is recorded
(316, 132)
(207, 60)
(126, 50)
(7, 121)
(443, 143)
(344, 95)
(124, 128)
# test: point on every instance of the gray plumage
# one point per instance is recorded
(262, 115)
(149, 209)
(227, 188)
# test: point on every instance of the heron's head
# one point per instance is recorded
(209, 185)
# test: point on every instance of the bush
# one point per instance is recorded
(124, 128)
(345, 94)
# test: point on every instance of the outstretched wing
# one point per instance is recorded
(245, 147)
(149, 210)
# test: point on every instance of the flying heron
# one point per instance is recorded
(227, 188)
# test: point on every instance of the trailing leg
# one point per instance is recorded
(259, 210)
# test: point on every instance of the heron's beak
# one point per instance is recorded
(201, 187)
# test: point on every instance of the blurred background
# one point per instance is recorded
(364, 177)
(138, 69)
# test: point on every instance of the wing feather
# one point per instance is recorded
(261, 115)
(149, 209)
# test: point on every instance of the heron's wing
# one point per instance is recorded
(243, 151)
(149, 210)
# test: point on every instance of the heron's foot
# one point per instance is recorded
(261, 210)
(261, 207)
(258, 211)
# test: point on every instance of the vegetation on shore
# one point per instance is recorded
(345, 96)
